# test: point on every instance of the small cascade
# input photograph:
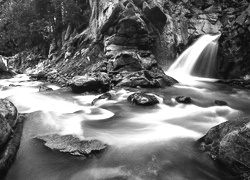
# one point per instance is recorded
(199, 59)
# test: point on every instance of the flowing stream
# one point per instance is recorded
(145, 143)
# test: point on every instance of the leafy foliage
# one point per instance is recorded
(28, 23)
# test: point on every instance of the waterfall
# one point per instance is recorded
(198, 60)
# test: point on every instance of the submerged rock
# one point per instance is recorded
(143, 99)
(229, 145)
(183, 99)
(44, 88)
(107, 96)
(72, 145)
(220, 103)
(14, 85)
(10, 134)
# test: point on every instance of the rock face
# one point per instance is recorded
(229, 144)
(10, 134)
(73, 145)
(134, 35)
(127, 33)
(143, 99)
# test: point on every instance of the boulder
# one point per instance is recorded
(143, 99)
(5, 132)
(10, 134)
(9, 112)
(72, 145)
(183, 99)
(229, 144)
(147, 79)
(98, 83)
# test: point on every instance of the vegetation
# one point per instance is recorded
(36, 23)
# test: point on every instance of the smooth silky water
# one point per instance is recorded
(145, 143)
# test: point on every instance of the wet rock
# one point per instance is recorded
(229, 144)
(106, 96)
(5, 131)
(183, 99)
(236, 83)
(147, 79)
(45, 88)
(14, 85)
(9, 112)
(81, 84)
(73, 145)
(143, 99)
(8, 152)
(220, 103)
(10, 134)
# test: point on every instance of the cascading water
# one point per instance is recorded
(144, 143)
(198, 60)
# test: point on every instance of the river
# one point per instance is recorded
(145, 143)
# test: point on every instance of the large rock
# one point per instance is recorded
(9, 111)
(143, 99)
(147, 79)
(81, 84)
(10, 134)
(229, 145)
(5, 132)
(72, 145)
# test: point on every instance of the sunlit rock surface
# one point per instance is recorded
(72, 145)
(229, 144)
(10, 134)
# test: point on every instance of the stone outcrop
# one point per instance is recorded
(10, 134)
(146, 33)
(127, 33)
(229, 145)
(73, 145)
